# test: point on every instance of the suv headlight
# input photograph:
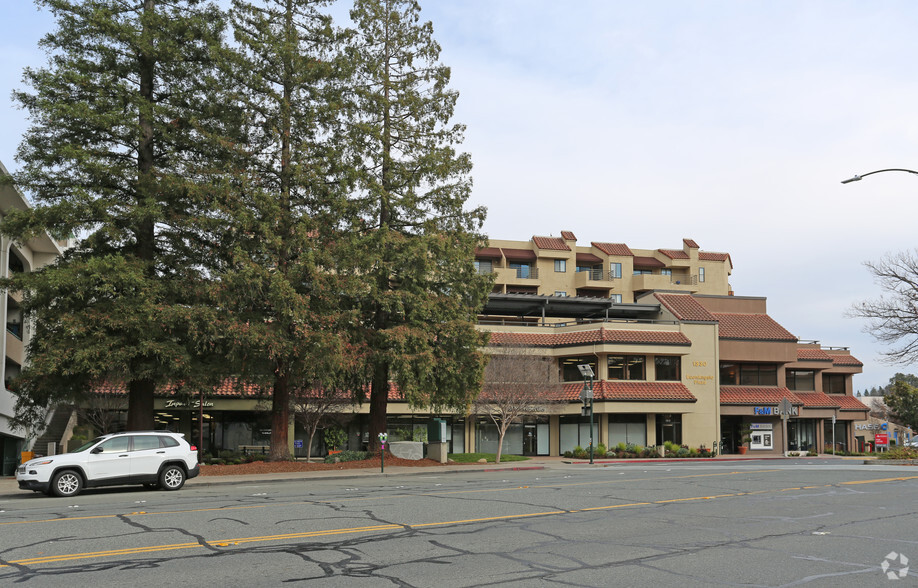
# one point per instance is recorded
(39, 463)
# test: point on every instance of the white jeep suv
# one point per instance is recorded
(156, 459)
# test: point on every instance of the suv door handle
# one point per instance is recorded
(123, 455)
(160, 452)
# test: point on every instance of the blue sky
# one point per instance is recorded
(728, 122)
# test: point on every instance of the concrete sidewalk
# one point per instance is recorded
(8, 485)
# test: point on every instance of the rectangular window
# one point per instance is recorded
(668, 368)
(570, 372)
(701, 274)
(626, 367)
(616, 298)
(615, 270)
(729, 372)
(666, 272)
(802, 380)
(642, 272)
(748, 374)
(484, 266)
(560, 293)
(754, 374)
(627, 428)
(560, 265)
(833, 383)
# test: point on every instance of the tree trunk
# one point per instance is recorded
(379, 401)
(280, 419)
(140, 405)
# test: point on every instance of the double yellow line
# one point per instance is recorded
(390, 527)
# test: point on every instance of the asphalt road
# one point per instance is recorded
(766, 523)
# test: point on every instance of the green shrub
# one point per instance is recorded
(334, 437)
(580, 453)
(683, 452)
(600, 450)
(568, 454)
(671, 447)
(347, 456)
(649, 452)
(900, 453)
(621, 447)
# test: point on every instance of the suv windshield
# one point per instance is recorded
(86, 445)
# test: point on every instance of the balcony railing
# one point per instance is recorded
(527, 273)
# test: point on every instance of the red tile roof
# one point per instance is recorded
(601, 335)
(619, 249)
(691, 243)
(750, 395)
(818, 399)
(850, 403)
(756, 395)
(555, 243)
(684, 307)
(631, 391)
(707, 256)
(760, 327)
(845, 360)
(812, 354)
(568, 236)
(641, 261)
(519, 254)
(674, 253)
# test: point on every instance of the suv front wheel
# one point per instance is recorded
(172, 478)
(66, 483)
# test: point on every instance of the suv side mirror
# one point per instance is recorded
(96, 450)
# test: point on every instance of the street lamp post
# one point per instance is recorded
(586, 396)
(858, 178)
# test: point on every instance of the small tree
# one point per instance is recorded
(903, 403)
(102, 411)
(893, 318)
(516, 384)
(312, 408)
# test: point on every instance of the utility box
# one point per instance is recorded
(436, 431)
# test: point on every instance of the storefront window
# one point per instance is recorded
(841, 435)
(801, 435)
(627, 428)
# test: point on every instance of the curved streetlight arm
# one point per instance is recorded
(857, 178)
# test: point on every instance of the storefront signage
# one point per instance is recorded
(699, 380)
(193, 404)
(772, 410)
(761, 426)
(881, 438)
(870, 427)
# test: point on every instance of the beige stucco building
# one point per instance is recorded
(16, 257)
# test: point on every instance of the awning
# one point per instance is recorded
(647, 262)
(487, 253)
(519, 254)
(588, 258)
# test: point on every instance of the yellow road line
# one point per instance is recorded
(390, 527)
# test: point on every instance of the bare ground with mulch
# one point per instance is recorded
(275, 467)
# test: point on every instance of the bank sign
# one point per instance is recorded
(772, 411)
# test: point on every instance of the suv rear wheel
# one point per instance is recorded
(66, 483)
(172, 478)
